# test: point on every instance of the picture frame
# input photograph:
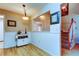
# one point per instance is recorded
(64, 9)
(54, 19)
(11, 23)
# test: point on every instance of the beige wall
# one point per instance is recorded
(66, 20)
(20, 23)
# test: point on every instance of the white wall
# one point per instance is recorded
(9, 39)
(74, 13)
(1, 31)
(49, 41)
(72, 39)
(76, 29)
(76, 18)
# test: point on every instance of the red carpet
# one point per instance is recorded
(77, 46)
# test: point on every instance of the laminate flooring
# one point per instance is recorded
(27, 50)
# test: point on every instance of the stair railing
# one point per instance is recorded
(72, 21)
(71, 26)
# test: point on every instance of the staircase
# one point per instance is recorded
(65, 36)
(65, 39)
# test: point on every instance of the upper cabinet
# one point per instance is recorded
(42, 22)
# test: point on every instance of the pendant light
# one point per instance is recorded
(25, 17)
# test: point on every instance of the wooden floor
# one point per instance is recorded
(28, 50)
(1, 52)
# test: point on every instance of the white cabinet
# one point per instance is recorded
(21, 42)
(24, 41)
(10, 40)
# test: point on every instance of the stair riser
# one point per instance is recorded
(64, 37)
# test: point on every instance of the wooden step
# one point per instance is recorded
(65, 46)
(64, 34)
(64, 39)
(65, 42)
(64, 31)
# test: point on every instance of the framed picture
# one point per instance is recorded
(54, 18)
(64, 9)
(11, 23)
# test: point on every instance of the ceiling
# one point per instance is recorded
(31, 8)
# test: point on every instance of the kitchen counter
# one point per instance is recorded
(21, 36)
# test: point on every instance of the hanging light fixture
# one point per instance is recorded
(25, 17)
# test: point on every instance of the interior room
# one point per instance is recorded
(70, 29)
(30, 29)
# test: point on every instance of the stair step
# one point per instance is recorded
(64, 34)
(65, 45)
(64, 42)
(64, 37)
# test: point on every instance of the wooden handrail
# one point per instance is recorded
(72, 21)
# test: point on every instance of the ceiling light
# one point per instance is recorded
(42, 17)
(25, 17)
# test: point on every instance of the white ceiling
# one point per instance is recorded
(31, 8)
(74, 8)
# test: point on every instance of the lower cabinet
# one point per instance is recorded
(24, 41)
(21, 42)
(10, 40)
